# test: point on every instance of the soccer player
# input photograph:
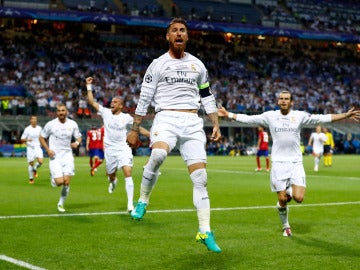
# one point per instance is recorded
(34, 152)
(118, 154)
(59, 132)
(178, 83)
(95, 147)
(317, 140)
(262, 149)
(328, 147)
(287, 177)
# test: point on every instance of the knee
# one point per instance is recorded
(199, 178)
(157, 158)
(111, 176)
(282, 199)
(298, 198)
(298, 194)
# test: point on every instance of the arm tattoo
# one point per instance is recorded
(136, 123)
(214, 119)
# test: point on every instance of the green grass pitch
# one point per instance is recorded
(97, 233)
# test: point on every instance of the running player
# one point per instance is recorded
(95, 147)
(262, 149)
(59, 132)
(287, 176)
(34, 152)
(317, 140)
(118, 154)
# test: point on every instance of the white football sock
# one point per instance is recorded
(129, 187)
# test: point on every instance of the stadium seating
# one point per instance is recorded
(39, 4)
(218, 11)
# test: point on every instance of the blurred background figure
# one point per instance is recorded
(262, 149)
(317, 140)
(328, 147)
(95, 147)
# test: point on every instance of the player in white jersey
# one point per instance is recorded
(30, 136)
(118, 154)
(56, 138)
(287, 173)
(317, 140)
(178, 83)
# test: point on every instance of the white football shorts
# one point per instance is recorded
(115, 160)
(286, 173)
(62, 164)
(318, 151)
(33, 153)
(183, 130)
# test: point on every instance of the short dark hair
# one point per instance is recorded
(287, 92)
(119, 98)
(177, 20)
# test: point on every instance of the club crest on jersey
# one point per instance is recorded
(193, 68)
(292, 119)
(148, 78)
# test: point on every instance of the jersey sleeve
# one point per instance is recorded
(206, 96)
(148, 88)
(313, 119)
(76, 132)
(24, 135)
(259, 119)
(45, 132)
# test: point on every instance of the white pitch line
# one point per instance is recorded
(263, 173)
(179, 210)
(20, 263)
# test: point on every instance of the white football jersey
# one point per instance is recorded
(318, 140)
(116, 128)
(60, 134)
(32, 133)
(285, 130)
(172, 84)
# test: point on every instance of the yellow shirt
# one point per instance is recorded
(330, 140)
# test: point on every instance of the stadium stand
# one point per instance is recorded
(91, 5)
(40, 4)
(339, 16)
(218, 11)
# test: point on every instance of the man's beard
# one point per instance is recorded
(177, 49)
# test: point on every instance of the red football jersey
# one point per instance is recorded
(96, 138)
(264, 140)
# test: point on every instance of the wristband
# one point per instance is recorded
(77, 143)
(231, 115)
(88, 87)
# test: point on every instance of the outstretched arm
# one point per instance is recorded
(89, 81)
(352, 113)
(222, 112)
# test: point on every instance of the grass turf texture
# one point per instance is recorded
(97, 233)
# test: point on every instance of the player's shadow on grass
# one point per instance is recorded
(76, 206)
(202, 259)
(299, 228)
(330, 247)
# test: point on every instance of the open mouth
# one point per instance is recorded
(179, 41)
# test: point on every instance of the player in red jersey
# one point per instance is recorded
(95, 147)
(262, 149)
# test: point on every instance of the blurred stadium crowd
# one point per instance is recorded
(245, 77)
